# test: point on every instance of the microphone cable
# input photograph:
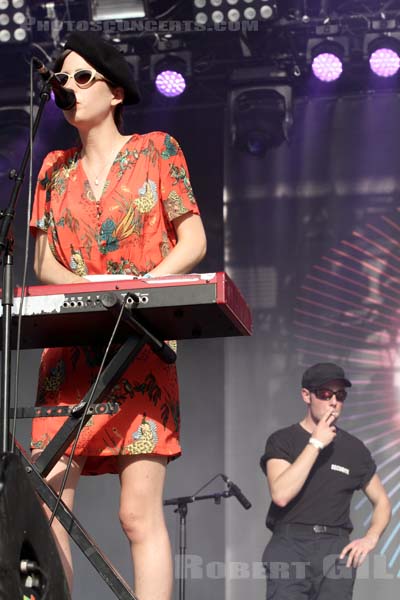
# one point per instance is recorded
(85, 412)
(206, 485)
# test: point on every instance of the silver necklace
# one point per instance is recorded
(96, 177)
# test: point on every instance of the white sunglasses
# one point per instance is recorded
(82, 77)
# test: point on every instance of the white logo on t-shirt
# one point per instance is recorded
(340, 469)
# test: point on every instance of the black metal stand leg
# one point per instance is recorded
(181, 504)
(75, 530)
(7, 302)
(182, 509)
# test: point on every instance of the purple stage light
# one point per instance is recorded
(170, 83)
(327, 67)
(384, 62)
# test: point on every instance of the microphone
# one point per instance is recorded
(65, 98)
(237, 492)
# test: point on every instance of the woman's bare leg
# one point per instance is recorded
(142, 519)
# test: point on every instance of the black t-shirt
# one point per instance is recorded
(341, 468)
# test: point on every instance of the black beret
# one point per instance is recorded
(105, 58)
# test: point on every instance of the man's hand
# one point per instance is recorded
(358, 550)
(325, 431)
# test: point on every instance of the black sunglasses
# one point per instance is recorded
(326, 394)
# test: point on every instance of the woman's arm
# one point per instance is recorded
(47, 268)
(189, 250)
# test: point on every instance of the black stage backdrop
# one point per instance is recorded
(310, 233)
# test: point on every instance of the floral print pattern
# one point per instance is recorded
(128, 231)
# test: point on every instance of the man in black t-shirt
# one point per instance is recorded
(313, 469)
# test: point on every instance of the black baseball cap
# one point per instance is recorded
(322, 373)
(105, 58)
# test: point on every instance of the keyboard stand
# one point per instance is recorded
(62, 440)
(76, 532)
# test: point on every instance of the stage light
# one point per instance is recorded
(261, 118)
(109, 10)
(13, 22)
(384, 62)
(170, 72)
(384, 55)
(327, 66)
(170, 83)
(327, 58)
(208, 12)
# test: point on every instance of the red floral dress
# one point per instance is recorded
(128, 232)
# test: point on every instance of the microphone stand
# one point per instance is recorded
(86, 544)
(11, 465)
(6, 219)
(181, 504)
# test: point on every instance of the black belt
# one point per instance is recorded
(297, 528)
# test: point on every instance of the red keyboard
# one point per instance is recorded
(173, 307)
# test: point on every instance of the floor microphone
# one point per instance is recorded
(237, 492)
